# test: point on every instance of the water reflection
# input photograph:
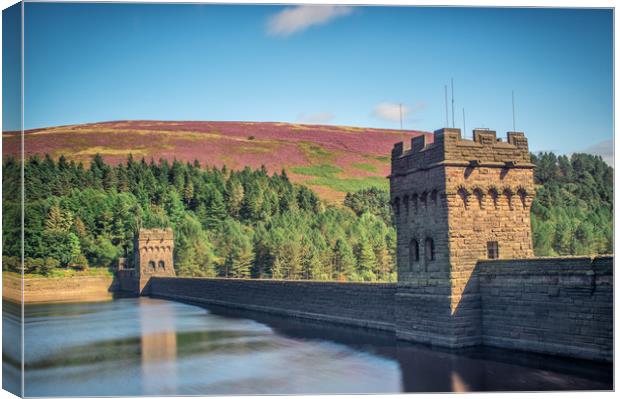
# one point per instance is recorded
(11, 347)
(158, 350)
(427, 369)
(143, 346)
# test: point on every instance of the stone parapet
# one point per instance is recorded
(561, 306)
(154, 234)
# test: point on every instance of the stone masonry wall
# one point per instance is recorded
(561, 306)
(420, 212)
(423, 294)
(66, 289)
(485, 204)
(359, 304)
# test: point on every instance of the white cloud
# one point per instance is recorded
(298, 18)
(318, 118)
(605, 149)
(390, 111)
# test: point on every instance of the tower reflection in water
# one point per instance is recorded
(158, 349)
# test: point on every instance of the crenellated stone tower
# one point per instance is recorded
(153, 255)
(456, 201)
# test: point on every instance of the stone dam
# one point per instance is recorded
(559, 306)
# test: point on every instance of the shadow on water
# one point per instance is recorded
(434, 369)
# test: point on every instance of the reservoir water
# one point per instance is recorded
(144, 346)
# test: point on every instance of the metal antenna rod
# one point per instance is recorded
(445, 89)
(452, 83)
(464, 128)
(514, 126)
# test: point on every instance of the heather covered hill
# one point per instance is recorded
(332, 160)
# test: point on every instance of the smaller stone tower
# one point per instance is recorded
(456, 201)
(153, 255)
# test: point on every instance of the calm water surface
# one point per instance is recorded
(144, 346)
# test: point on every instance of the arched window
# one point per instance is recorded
(429, 249)
(464, 195)
(162, 265)
(523, 196)
(396, 205)
(406, 204)
(434, 197)
(423, 199)
(508, 194)
(151, 266)
(414, 253)
(494, 196)
(479, 195)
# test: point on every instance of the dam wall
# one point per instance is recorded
(368, 305)
(560, 306)
(61, 289)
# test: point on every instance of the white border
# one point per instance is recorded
(480, 3)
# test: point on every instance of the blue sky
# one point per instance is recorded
(344, 66)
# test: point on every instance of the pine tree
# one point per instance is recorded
(277, 269)
(215, 209)
(252, 202)
(366, 260)
(80, 228)
(384, 262)
(110, 181)
(58, 219)
(344, 260)
(188, 193)
(234, 196)
(314, 266)
(241, 260)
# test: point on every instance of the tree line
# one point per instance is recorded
(226, 223)
(251, 224)
(572, 213)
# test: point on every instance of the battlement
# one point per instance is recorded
(447, 147)
(154, 235)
